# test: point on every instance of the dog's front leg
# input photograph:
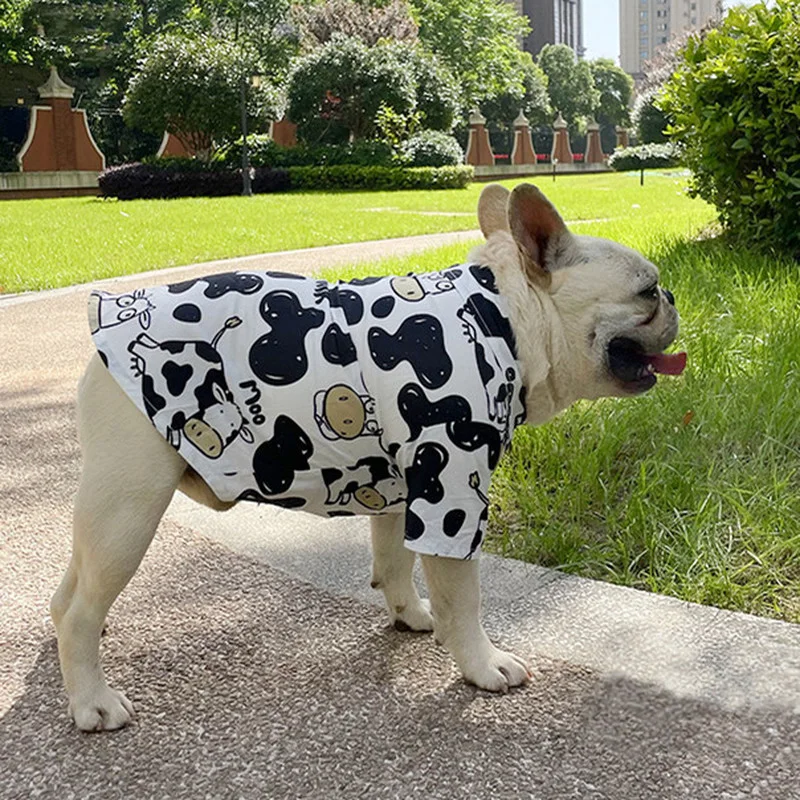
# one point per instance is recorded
(456, 599)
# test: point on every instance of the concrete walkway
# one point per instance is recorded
(261, 665)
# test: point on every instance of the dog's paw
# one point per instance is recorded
(496, 670)
(416, 617)
(105, 710)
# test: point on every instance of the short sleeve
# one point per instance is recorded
(447, 505)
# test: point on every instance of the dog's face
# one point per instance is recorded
(602, 308)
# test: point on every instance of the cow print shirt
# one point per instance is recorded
(373, 396)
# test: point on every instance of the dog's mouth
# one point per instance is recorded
(636, 369)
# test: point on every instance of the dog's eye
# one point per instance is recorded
(650, 294)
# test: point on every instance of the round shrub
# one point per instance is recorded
(263, 152)
(432, 149)
(645, 156)
(735, 101)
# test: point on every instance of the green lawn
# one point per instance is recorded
(692, 490)
(51, 243)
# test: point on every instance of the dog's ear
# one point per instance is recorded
(536, 227)
(493, 209)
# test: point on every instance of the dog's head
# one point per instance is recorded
(589, 314)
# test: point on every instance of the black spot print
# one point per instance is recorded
(491, 321)
(351, 303)
(365, 281)
(103, 358)
(485, 277)
(279, 357)
(219, 285)
(473, 435)
(453, 520)
(291, 276)
(176, 376)
(415, 527)
(455, 413)
(276, 460)
(420, 341)
(337, 346)
(152, 400)
(382, 307)
(187, 312)
(340, 513)
(419, 412)
(285, 502)
(423, 475)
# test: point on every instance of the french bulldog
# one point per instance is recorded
(393, 397)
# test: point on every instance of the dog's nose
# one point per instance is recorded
(670, 297)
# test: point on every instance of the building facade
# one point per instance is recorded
(553, 22)
(646, 25)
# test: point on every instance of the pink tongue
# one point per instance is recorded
(668, 363)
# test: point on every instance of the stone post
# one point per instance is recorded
(622, 136)
(58, 136)
(523, 152)
(561, 152)
(479, 148)
(594, 148)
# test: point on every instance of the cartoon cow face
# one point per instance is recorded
(190, 369)
(414, 287)
(217, 426)
(106, 311)
(342, 413)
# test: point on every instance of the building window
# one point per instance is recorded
(643, 15)
(643, 42)
(694, 20)
(663, 40)
(662, 26)
(644, 28)
(644, 55)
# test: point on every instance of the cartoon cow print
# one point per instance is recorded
(106, 310)
(499, 389)
(414, 288)
(373, 483)
(169, 370)
(342, 413)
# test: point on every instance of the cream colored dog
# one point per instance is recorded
(589, 320)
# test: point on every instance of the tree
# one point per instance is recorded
(527, 94)
(569, 84)
(616, 88)
(372, 24)
(336, 91)
(190, 85)
(476, 39)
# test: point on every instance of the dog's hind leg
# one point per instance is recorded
(392, 571)
(456, 600)
(129, 475)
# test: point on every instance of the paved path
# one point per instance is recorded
(261, 665)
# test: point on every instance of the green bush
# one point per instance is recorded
(645, 156)
(380, 178)
(263, 152)
(735, 100)
(432, 149)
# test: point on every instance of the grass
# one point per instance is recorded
(692, 490)
(46, 244)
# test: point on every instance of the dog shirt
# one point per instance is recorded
(338, 399)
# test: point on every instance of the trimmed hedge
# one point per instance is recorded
(196, 179)
(148, 181)
(645, 156)
(263, 152)
(380, 178)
